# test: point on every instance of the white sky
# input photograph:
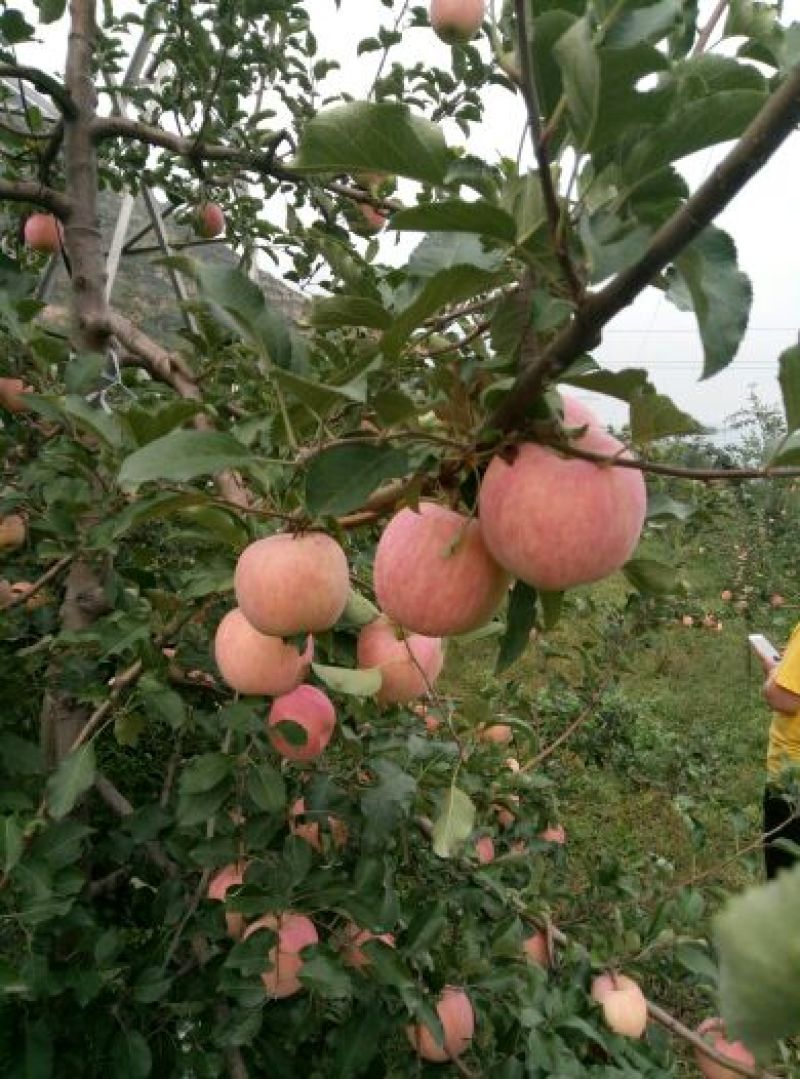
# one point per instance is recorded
(764, 221)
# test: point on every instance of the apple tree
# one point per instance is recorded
(270, 841)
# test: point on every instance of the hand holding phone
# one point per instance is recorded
(764, 648)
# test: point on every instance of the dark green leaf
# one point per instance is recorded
(205, 772)
(73, 777)
(384, 137)
(105, 426)
(520, 621)
(627, 384)
(577, 57)
(51, 10)
(148, 424)
(328, 979)
(10, 843)
(445, 250)
(266, 787)
(522, 198)
(654, 416)
(454, 824)
(649, 22)
(789, 378)
(342, 478)
(758, 941)
(130, 1056)
(183, 455)
(711, 282)
(385, 804)
(317, 396)
(482, 218)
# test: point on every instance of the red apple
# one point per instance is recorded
(537, 950)
(556, 521)
(309, 708)
(484, 849)
(295, 932)
(712, 1030)
(353, 939)
(292, 584)
(457, 1017)
(499, 733)
(623, 1003)
(229, 877)
(457, 21)
(210, 220)
(433, 574)
(409, 664)
(43, 232)
(776, 600)
(253, 663)
(554, 833)
(726, 595)
(12, 394)
(13, 531)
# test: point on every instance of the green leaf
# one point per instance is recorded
(625, 385)
(333, 312)
(73, 777)
(318, 397)
(662, 506)
(327, 978)
(10, 843)
(105, 426)
(384, 137)
(654, 416)
(384, 805)
(447, 287)
(522, 198)
(205, 772)
(266, 787)
(786, 453)
(758, 940)
(480, 217)
(455, 822)
(353, 683)
(161, 703)
(444, 250)
(707, 279)
(650, 22)
(51, 10)
(130, 1056)
(520, 621)
(343, 477)
(181, 456)
(789, 378)
(651, 576)
(577, 57)
(359, 611)
(148, 424)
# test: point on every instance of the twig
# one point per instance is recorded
(38, 194)
(120, 805)
(549, 750)
(38, 585)
(770, 128)
(45, 84)
(675, 1026)
(704, 36)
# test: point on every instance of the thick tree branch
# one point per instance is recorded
(773, 124)
(38, 194)
(45, 84)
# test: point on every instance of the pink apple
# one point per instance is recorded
(295, 932)
(309, 708)
(253, 663)
(484, 849)
(556, 521)
(499, 733)
(554, 833)
(457, 1017)
(210, 220)
(12, 394)
(292, 584)
(457, 21)
(409, 665)
(43, 232)
(433, 574)
(537, 950)
(231, 876)
(623, 1003)
(353, 940)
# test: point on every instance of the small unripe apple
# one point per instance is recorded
(556, 521)
(12, 394)
(409, 664)
(210, 220)
(309, 829)
(457, 1017)
(295, 932)
(554, 833)
(353, 939)
(43, 232)
(309, 708)
(13, 531)
(433, 574)
(623, 1003)
(499, 733)
(231, 876)
(292, 584)
(457, 21)
(253, 663)
(484, 849)
(537, 950)
(712, 1030)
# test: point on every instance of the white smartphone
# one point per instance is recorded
(763, 647)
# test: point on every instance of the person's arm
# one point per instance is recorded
(778, 698)
(781, 689)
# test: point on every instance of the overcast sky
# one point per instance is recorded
(764, 221)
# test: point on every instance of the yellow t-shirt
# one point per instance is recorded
(784, 733)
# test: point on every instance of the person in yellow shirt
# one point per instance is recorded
(781, 691)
